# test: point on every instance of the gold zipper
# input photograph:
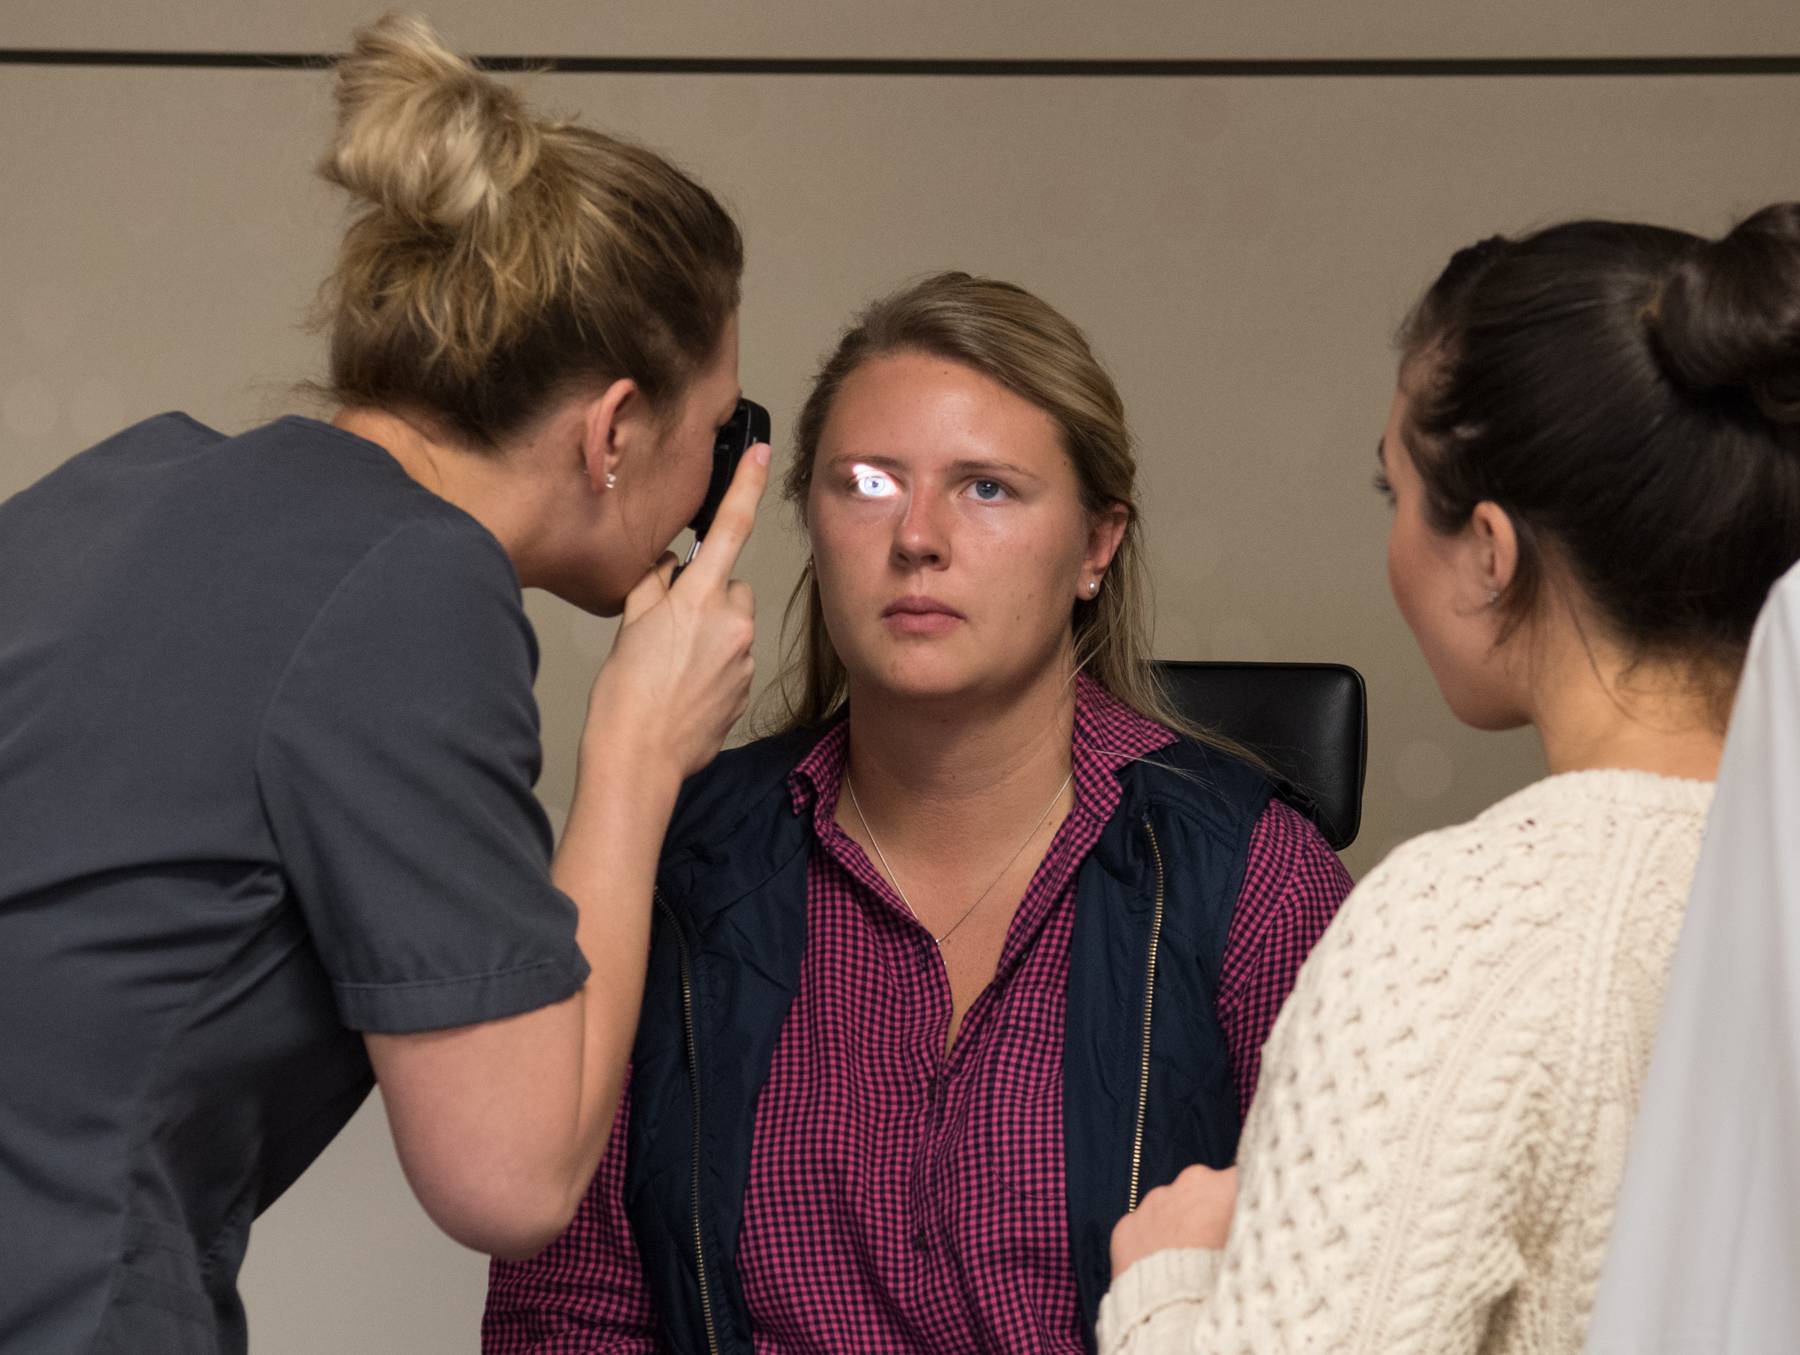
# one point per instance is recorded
(1143, 1103)
(693, 1066)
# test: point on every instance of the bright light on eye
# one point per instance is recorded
(871, 483)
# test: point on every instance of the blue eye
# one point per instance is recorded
(871, 483)
(988, 491)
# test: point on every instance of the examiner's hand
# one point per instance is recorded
(679, 673)
(1193, 1210)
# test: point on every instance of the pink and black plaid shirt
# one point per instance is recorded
(902, 1199)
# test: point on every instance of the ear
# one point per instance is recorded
(1106, 529)
(1494, 558)
(611, 422)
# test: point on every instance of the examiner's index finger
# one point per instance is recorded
(732, 524)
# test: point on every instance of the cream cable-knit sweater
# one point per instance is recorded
(1439, 1133)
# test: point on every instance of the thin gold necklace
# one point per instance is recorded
(970, 911)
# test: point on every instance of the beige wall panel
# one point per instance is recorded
(942, 28)
(1239, 251)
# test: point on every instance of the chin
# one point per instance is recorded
(1473, 690)
(1488, 714)
(606, 609)
(938, 680)
(913, 686)
(587, 597)
(904, 676)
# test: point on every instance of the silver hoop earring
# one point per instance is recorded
(612, 481)
(1493, 596)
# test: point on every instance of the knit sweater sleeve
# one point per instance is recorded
(1397, 1136)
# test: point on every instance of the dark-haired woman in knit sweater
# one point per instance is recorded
(1594, 461)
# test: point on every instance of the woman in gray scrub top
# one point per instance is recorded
(267, 735)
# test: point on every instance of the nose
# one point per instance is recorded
(921, 536)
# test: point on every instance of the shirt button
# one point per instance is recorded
(931, 1089)
(921, 1243)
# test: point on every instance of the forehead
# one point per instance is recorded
(1396, 419)
(915, 405)
(721, 369)
(1392, 450)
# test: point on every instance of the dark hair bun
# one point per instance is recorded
(1728, 315)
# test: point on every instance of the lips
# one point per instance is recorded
(920, 615)
(916, 605)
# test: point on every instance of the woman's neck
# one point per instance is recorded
(922, 769)
(1606, 713)
(482, 486)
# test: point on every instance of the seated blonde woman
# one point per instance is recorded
(1594, 461)
(979, 948)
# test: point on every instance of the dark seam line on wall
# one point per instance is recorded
(1260, 68)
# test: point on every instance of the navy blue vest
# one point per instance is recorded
(725, 964)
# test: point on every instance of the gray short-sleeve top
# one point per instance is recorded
(267, 748)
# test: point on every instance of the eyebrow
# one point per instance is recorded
(850, 459)
(956, 468)
(1005, 467)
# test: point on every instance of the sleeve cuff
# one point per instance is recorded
(1139, 1305)
(437, 1004)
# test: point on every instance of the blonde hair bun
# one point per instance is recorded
(496, 263)
(422, 134)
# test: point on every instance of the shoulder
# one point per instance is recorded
(429, 575)
(738, 785)
(344, 499)
(1442, 915)
(1509, 899)
(1556, 839)
(345, 524)
(1290, 866)
(174, 431)
(419, 616)
(427, 547)
(1198, 788)
(149, 442)
(1187, 771)
(1490, 871)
